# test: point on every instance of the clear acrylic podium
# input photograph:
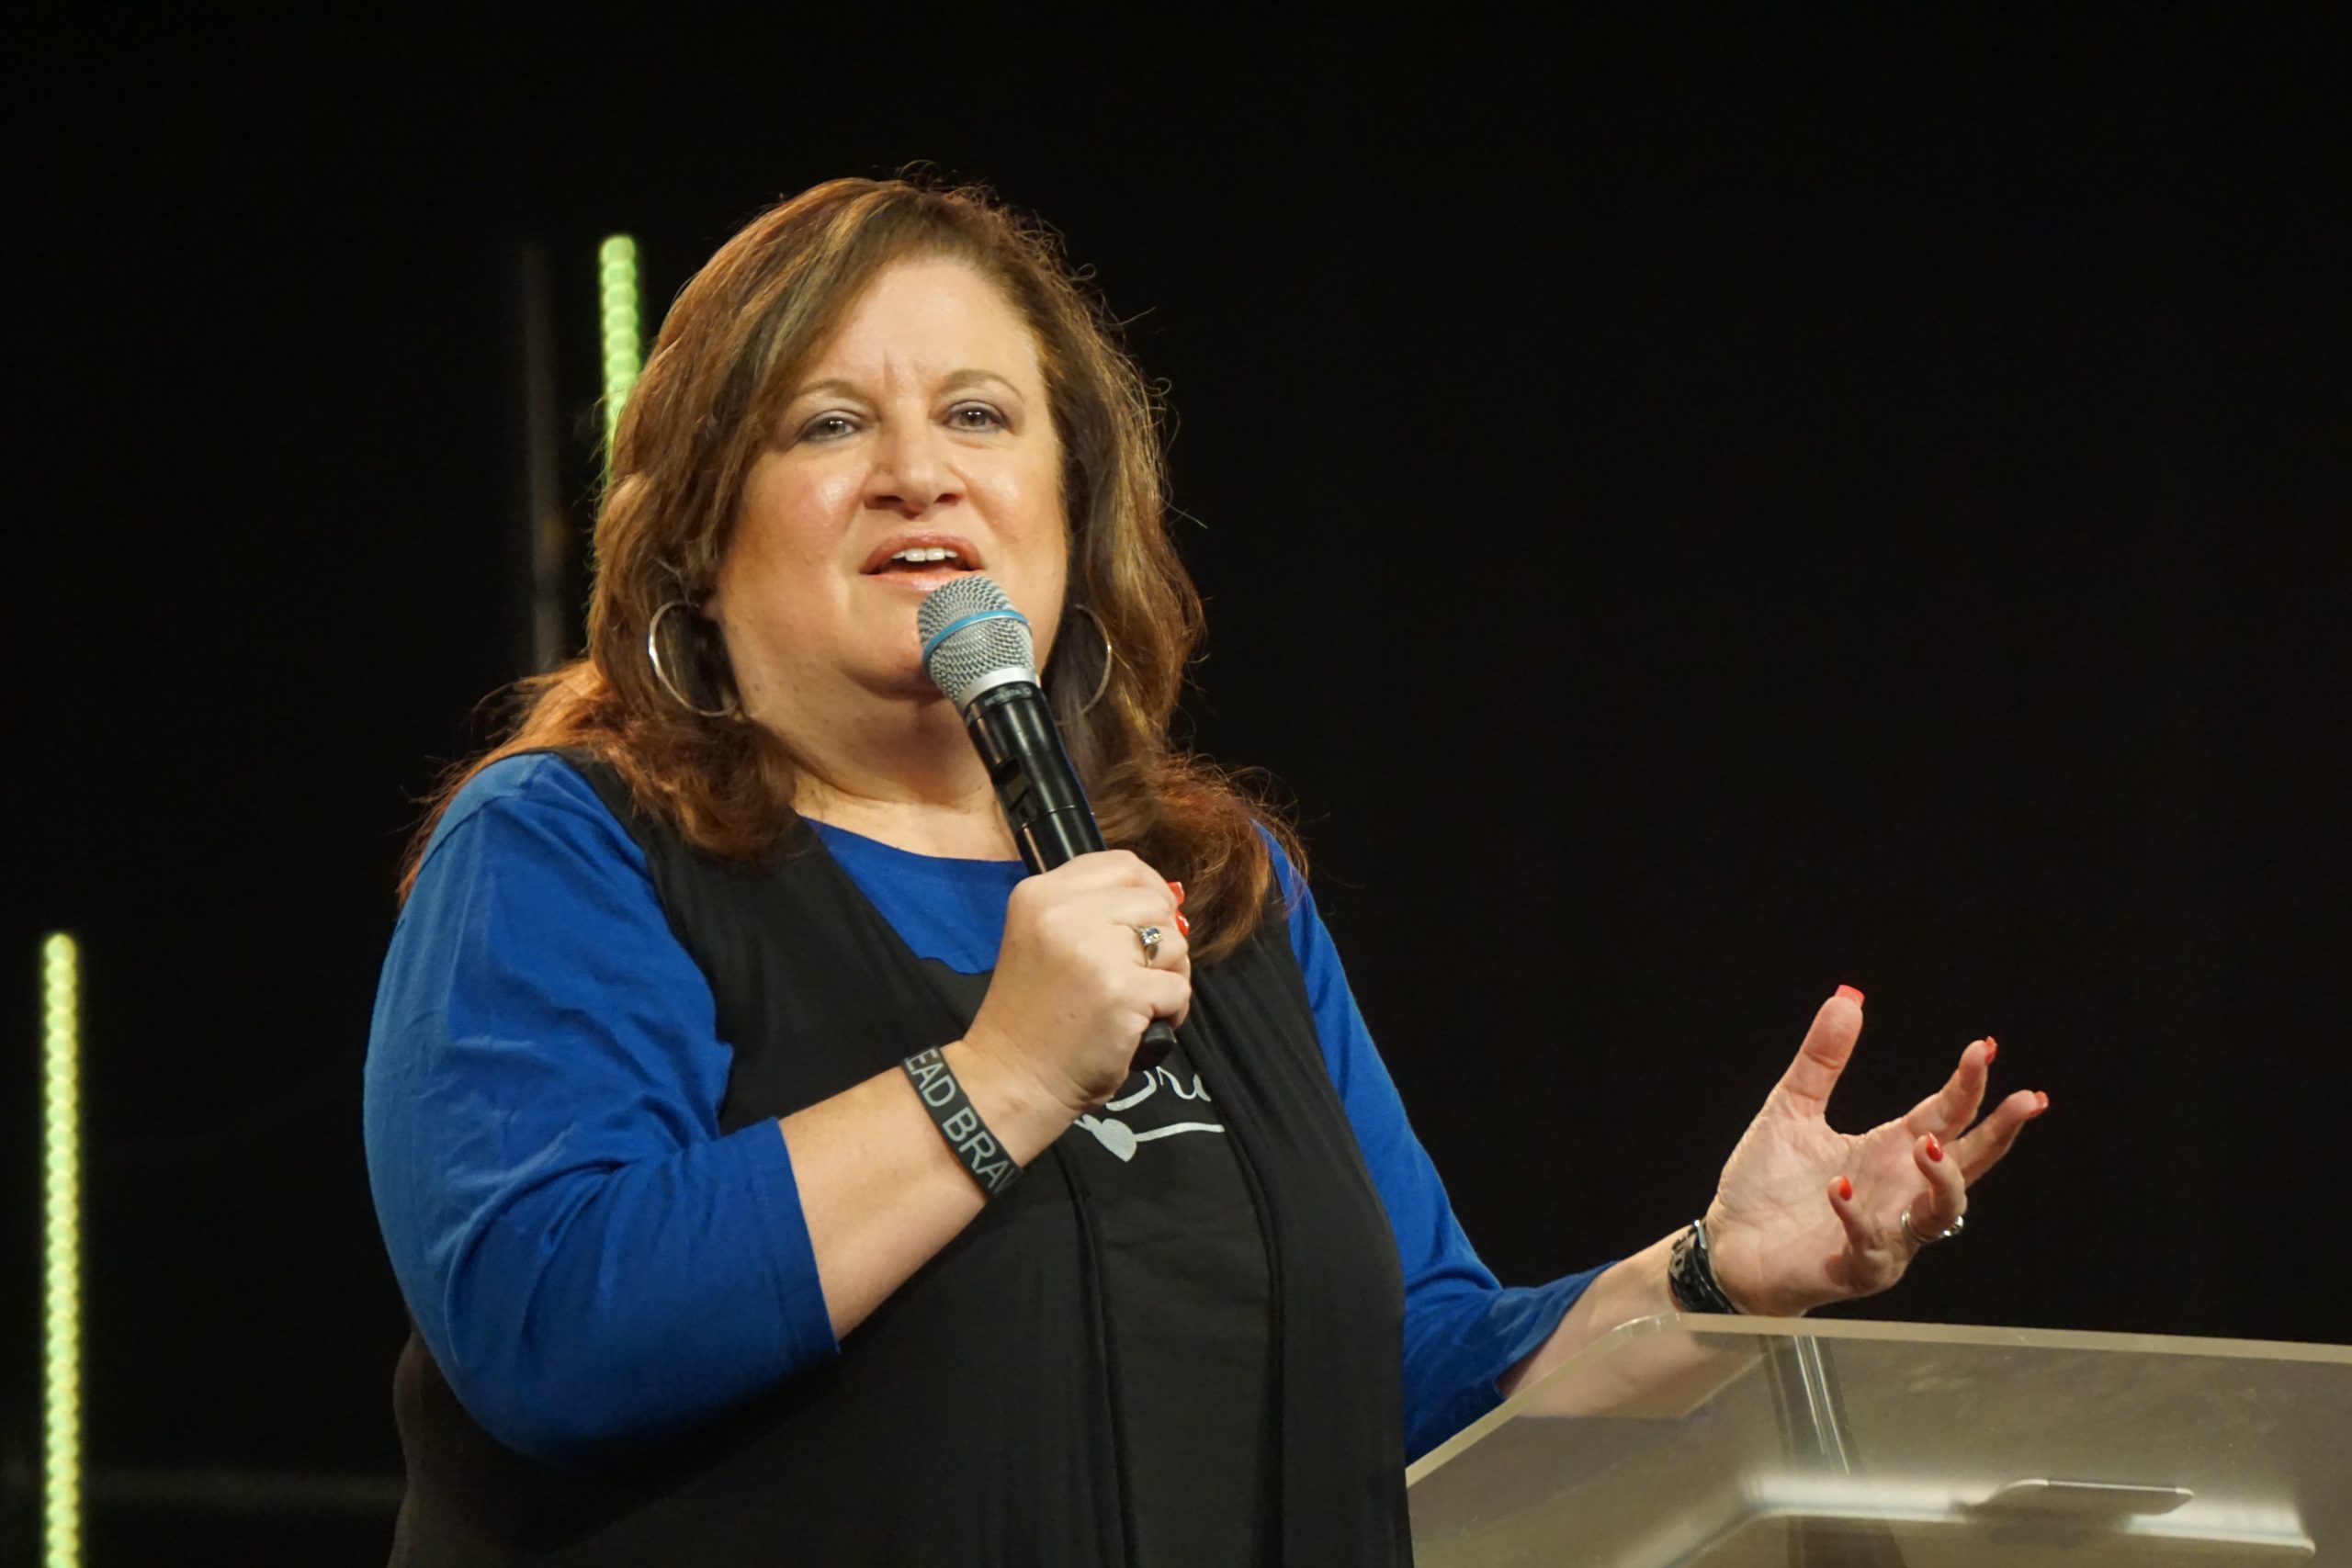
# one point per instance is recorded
(1738, 1442)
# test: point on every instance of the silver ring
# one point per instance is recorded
(1958, 1224)
(1149, 937)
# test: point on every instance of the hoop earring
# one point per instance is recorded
(1103, 686)
(732, 707)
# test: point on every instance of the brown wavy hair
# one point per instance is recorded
(732, 348)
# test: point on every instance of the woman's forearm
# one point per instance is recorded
(1665, 1374)
(1633, 1288)
(610, 1306)
(880, 1189)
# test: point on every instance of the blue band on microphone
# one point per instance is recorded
(952, 627)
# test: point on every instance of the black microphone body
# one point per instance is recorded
(977, 650)
(1013, 728)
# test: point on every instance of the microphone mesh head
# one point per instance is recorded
(962, 662)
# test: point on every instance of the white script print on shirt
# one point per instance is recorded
(1122, 1137)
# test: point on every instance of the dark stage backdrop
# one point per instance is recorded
(1690, 517)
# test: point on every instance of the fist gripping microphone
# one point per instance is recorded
(977, 650)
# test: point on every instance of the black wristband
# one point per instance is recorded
(961, 1125)
(1690, 1275)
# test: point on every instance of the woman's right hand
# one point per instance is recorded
(881, 1190)
(1073, 995)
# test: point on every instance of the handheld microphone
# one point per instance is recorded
(977, 648)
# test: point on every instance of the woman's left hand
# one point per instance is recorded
(1804, 1215)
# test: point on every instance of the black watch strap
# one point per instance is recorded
(1690, 1274)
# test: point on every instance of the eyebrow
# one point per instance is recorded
(955, 381)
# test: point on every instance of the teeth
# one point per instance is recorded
(927, 553)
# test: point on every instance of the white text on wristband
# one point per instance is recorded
(959, 1124)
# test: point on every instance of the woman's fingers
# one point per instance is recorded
(1871, 1262)
(1129, 905)
(1169, 996)
(1113, 868)
(1075, 981)
(1951, 1108)
(1947, 1195)
(1981, 1149)
(1132, 906)
(1803, 1089)
(1172, 951)
(1862, 1232)
(1134, 911)
(1112, 889)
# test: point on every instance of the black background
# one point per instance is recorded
(1692, 513)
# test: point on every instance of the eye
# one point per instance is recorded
(974, 416)
(828, 427)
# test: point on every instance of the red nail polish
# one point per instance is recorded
(1184, 926)
(1992, 1049)
(1846, 1187)
(1935, 1149)
(1177, 890)
(1849, 992)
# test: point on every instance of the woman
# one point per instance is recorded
(684, 965)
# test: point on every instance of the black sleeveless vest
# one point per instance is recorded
(969, 1420)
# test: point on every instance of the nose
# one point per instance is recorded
(911, 474)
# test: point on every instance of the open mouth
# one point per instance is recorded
(922, 557)
(935, 558)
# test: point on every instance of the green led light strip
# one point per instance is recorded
(617, 309)
(61, 1101)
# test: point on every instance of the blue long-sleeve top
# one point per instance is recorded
(592, 1262)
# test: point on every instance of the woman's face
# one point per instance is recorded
(922, 428)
